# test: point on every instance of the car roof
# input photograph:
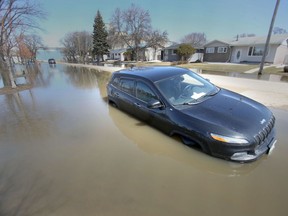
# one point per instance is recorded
(153, 73)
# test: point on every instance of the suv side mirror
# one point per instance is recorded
(155, 104)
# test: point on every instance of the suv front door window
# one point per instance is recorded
(156, 117)
(144, 92)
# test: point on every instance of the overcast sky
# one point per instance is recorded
(218, 19)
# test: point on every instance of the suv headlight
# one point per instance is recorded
(226, 139)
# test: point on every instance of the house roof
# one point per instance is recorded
(118, 50)
(275, 39)
(217, 41)
(247, 41)
(176, 46)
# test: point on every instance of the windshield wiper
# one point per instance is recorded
(200, 99)
(196, 101)
(212, 93)
(209, 94)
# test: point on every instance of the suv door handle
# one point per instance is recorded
(117, 95)
(137, 104)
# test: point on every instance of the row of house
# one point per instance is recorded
(148, 54)
(239, 50)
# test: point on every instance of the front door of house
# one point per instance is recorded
(237, 56)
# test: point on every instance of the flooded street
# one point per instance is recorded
(65, 151)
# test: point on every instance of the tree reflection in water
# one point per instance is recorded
(25, 192)
(87, 78)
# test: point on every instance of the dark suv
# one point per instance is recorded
(180, 102)
(51, 61)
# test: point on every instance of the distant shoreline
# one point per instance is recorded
(97, 67)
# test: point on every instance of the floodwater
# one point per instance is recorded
(65, 151)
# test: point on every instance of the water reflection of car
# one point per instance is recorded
(156, 143)
(51, 61)
(179, 102)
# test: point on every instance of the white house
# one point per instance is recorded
(117, 54)
(248, 49)
(251, 49)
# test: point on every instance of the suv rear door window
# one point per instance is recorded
(127, 85)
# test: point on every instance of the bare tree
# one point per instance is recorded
(77, 46)
(33, 43)
(131, 26)
(113, 39)
(23, 53)
(16, 17)
(27, 47)
(156, 40)
(69, 51)
(278, 30)
(84, 44)
(196, 39)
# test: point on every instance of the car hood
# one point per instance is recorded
(228, 112)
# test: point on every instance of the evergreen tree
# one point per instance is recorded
(100, 44)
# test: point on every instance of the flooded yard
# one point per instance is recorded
(65, 151)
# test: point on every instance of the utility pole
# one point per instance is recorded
(268, 38)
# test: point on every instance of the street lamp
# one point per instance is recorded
(268, 38)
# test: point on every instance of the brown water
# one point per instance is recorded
(65, 151)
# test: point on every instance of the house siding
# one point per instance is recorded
(169, 55)
(152, 54)
(255, 59)
(217, 56)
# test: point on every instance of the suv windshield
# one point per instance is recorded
(186, 89)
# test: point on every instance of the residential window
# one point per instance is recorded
(210, 50)
(174, 52)
(256, 51)
(222, 50)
